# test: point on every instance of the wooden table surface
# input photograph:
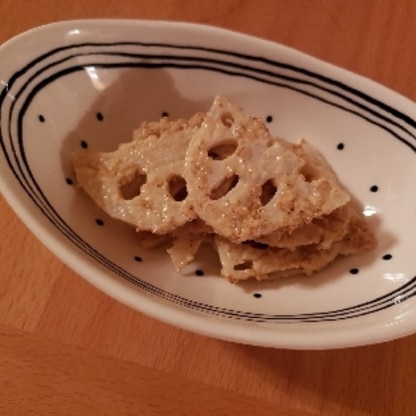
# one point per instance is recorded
(68, 349)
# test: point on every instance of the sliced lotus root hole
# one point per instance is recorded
(131, 184)
(224, 187)
(268, 191)
(309, 173)
(177, 188)
(248, 264)
(227, 119)
(223, 150)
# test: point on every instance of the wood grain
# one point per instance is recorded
(68, 349)
(39, 376)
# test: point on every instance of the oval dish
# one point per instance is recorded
(78, 84)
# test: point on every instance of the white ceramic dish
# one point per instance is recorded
(89, 83)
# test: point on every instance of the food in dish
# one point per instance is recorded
(269, 207)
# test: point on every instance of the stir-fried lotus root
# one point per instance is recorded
(322, 232)
(252, 259)
(269, 207)
(142, 182)
(245, 184)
